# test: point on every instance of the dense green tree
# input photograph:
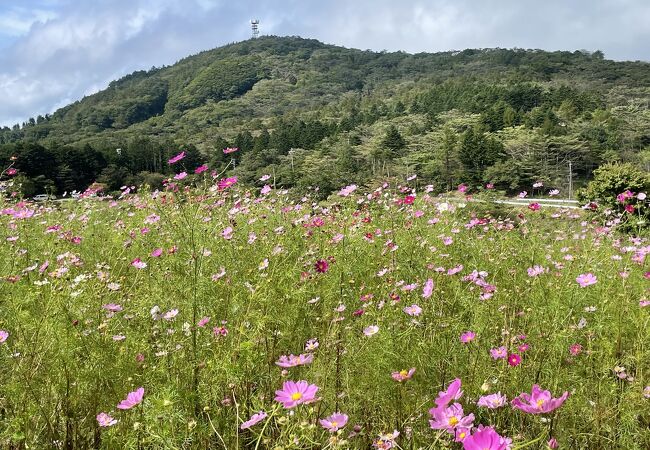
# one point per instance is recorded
(393, 141)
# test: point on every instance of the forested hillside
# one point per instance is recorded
(318, 115)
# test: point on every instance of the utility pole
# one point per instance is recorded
(570, 181)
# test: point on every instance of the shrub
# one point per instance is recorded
(620, 188)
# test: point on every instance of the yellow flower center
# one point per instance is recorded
(540, 402)
(296, 396)
(453, 421)
(462, 435)
(403, 373)
(334, 424)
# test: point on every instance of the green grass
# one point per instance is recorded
(61, 365)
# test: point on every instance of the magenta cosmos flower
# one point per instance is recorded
(334, 422)
(403, 375)
(293, 360)
(3, 336)
(538, 401)
(514, 359)
(202, 168)
(226, 183)
(132, 399)
(177, 158)
(255, 419)
(586, 279)
(229, 150)
(485, 438)
(453, 392)
(450, 418)
(294, 393)
(104, 420)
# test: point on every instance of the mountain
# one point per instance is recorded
(320, 115)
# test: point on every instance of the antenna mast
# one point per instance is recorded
(255, 27)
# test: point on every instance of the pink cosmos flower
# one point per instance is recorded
(453, 392)
(227, 233)
(255, 419)
(538, 401)
(201, 169)
(203, 322)
(334, 422)
(180, 176)
(3, 336)
(499, 353)
(11, 171)
(535, 271)
(403, 375)
(534, 206)
(467, 337)
(265, 177)
(293, 360)
(385, 441)
(552, 443)
(295, 393)
(229, 150)
(132, 399)
(450, 418)
(156, 252)
(105, 420)
(492, 401)
(413, 310)
(586, 279)
(462, 188)
(138, 263)
(575, 349)
(371, 330)
(112, 307)
(220, 331)
(177, 158)
(428, 288)
(169, 315)
(485, 438)
(266, 189)
(346, 191)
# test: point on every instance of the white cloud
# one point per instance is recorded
(17, 21)
(64, 49)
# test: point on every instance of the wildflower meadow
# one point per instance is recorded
(216, 315)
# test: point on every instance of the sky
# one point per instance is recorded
(54, 52)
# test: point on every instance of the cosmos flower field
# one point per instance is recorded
(223, 317)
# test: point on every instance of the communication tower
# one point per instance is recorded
(255, 26)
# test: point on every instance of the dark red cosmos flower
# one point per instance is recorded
(321, 266)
